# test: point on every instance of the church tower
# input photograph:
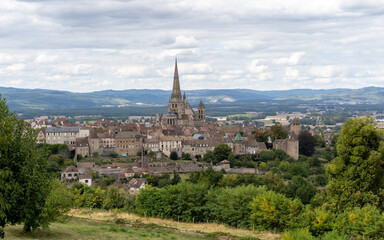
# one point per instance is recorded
(201, 111)
(176, 103)
(180, 111)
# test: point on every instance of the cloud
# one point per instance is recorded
(257, 44)
(324, 71)
(43, 58)
(239, 45)
(185, 42)
(255, 67)
(129, 71)
(16, 67)
(292, 60)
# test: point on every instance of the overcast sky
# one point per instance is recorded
(93, 45)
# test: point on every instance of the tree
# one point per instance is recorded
(174, 156)
(24, 181)
(222, 151)
(187, 156)
(278, 132)
(319, 141)
(356, 176)
(176, 178)
(209, 157)
(114, 198)
(306, 143)
(300, 188)
(261, 136)
(271, 210)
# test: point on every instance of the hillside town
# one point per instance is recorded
(152, 147)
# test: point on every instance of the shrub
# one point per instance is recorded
(298, 234)
(321, 180)
(114, 198)
(366, 222)
(335, 235)
(274, 211)
(300, 188)
(174, 156)
(318, 220)
(231, 205)
(184, 201)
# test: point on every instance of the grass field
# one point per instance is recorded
(101, 224)
(86, 229)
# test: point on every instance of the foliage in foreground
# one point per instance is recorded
(25, 185)
(356, 176)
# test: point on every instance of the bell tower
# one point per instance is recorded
(201, 111)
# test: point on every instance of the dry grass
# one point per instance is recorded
(182, 226)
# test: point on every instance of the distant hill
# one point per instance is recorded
(51, 99)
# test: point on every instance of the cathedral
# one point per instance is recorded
(180, 111)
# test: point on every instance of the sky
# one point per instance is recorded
(93, 45)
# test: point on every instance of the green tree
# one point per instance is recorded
(271, 210)
(356, 175)
(306, 143)
(58, 202)
(174, 156)
(176, 178)
(209, 157)
(319, 141)
(24, 182)
(278, 132)
(300, 188)
(231, 205)
(261, 136)
(187, 156)
(114, 198)
(222, 151)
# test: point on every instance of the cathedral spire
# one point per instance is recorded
(176, 93)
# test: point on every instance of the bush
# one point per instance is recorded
(321, 180)
(184, 201)
(318, 221)
(298, 234)
(113, 155)
(58, 202)
(231, 205)
(300, 188)
(187, 156)
(174, 156)
(85, 196)
(335, 235)
(114, 198)
(366, 222)
(274, 211)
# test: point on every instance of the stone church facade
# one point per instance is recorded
(180, 112)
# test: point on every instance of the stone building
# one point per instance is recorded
(70, 173)
(170, 144)
(40, 136)
(86, 179)
(65, 135)
(290, 145)
(128, 143)
(82, 147)
(198, 147)
(180, 111)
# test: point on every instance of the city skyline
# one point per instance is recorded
(276, 45)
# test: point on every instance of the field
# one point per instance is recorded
(86, 224)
